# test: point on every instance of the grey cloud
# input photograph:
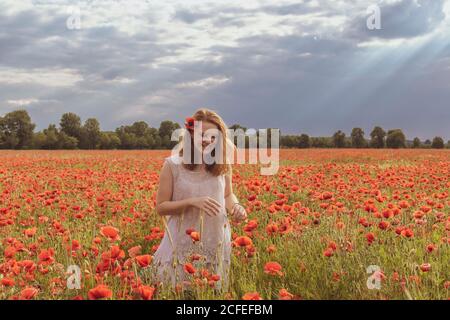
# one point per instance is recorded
(233, 15)
(189, 16)
(314, 84)
(319, 94)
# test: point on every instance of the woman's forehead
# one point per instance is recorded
(206, 125)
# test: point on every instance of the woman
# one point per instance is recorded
(197, 199)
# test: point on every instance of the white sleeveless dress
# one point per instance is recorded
(177, 247)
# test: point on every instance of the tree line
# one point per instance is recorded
(378, 139)
(17, 131)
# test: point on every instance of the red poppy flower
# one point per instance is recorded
(431, 247)
(144, 260)
(30, 232)
(251, 225)
(7, 282)
(328, 252)
(110, 232)
(75, 245)
(195, 257)
(46, 256)
(332, 245)
(99, 292)
(273, 268)
(370, 237)
(425, 267)
(285, 295)
(195, 236)
(383, 225)
(134, 251)
(189, 123)
(408, 233)
(251, 296)
(215, 277)
(326, 195)
(146, 292)
(189, 268)
(28, 293)
(243, 241)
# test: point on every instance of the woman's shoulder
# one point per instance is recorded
(174, 159)
(173, 162)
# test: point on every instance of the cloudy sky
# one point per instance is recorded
(302, 66)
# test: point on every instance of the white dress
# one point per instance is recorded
(177, 247)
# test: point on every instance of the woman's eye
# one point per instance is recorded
(210, 138)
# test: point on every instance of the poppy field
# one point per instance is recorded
(332, 224)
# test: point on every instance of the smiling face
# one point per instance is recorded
(208, 136)
(205, 136)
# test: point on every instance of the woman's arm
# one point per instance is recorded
(165, 205)
(231, 201)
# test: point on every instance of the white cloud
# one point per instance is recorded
(204, 83)
(45, 77)
(22, 102)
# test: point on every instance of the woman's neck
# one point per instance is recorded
(200, 167)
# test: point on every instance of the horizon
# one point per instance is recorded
(249, 131)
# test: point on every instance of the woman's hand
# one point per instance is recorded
(238, 212)
(207, 204)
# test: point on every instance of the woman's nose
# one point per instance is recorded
(206, 140)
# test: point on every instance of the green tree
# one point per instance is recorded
(321, 142)
(438, 143)
(377, 138)
(358, 140)
(139, 128)
(154, 140)
(16, 130)
(127, 138)
(8, 140)
(166, 129)
(71, 125)
(90, 135)
(304, 141)
(38, 140)
(109, 140)
(395, 139)
(138, 136)
(339, 139)
(51, 137)
(67, 142)
(289, 141)
(416, 143)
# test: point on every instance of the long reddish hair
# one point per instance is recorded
(216, 169)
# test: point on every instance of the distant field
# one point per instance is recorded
(323, 220)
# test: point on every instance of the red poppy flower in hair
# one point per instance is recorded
(189, 123)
